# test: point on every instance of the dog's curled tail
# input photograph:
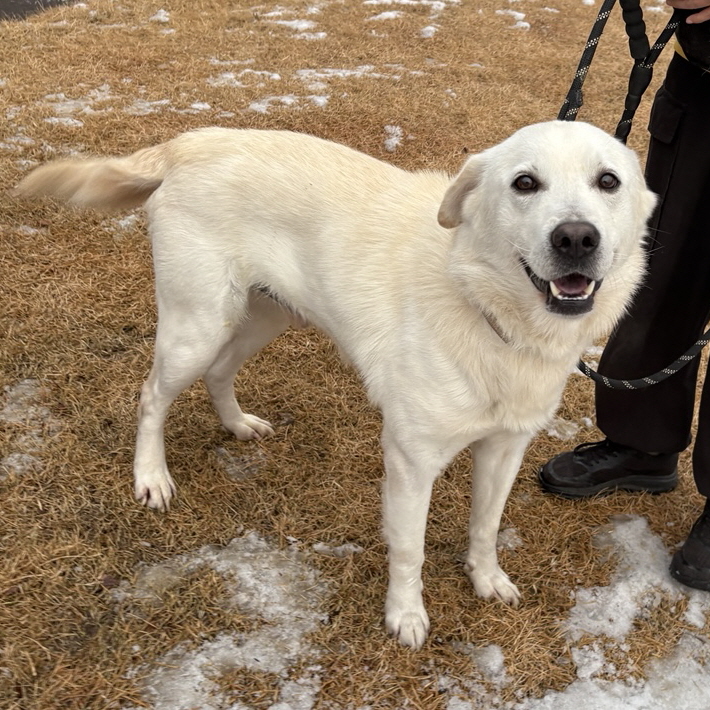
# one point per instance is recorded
(103, 183)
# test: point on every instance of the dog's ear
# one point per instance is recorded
(450, 212)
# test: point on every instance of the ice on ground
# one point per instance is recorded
(143, 107)
(241, 467)
(608, 614)
(296, 25)
(311, 35)
(348, 549)
(639, 585)
(436, 7)
(286, 594)
(31, 422)
(64, 106)
(508, 539)
(276, 587)
(393, 138)
(566, 429)
(519, 18)
(679, 681)
(388, 15)
(240, 79)
(289, 100)
(160, 16)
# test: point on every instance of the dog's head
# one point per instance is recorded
(564, 202)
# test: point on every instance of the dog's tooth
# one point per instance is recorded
(555, 291)
(590, 288)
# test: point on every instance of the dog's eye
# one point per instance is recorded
(525, 183)
(608, 181)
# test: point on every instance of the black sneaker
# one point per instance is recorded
(603, 466)
(691, 564)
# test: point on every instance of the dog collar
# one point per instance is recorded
(495, 327)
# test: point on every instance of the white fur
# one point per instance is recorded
(254, 231)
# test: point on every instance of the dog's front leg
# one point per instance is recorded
(496, 461)
(406, 496)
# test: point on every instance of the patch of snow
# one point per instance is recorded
(230, 62)
(24, 411)
(276, 587)
(679, 681)
(317, 79)
(508, 539)
(562, 429)
(142, 107)
(296, 25)
(160, 16)
(64, 121)
(311, 35)
(263, 105)
(236, 79)
(241, 467)
(519, 18)
(123, 224)
(389, 15)
(393, 137)
(348, 549)
(436, 7)
(640, 583)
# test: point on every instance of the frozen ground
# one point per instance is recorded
(281, 589)
(284, 594)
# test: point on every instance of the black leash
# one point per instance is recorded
(574, 100)
(688, 356)
(644, 56)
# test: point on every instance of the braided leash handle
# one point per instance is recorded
(574, 99)
(642, 71)
(688, 356)
(635, 28)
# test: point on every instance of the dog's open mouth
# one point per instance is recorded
(569, 295)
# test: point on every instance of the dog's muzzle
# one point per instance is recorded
(572, 293)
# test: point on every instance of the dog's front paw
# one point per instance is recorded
(154, 490)
(249, 427)
(409, 626)
(494, 584)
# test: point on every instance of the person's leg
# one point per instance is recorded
(646, 428)
(691, 564)
(673, 306)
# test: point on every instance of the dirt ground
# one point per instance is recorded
(86, 621)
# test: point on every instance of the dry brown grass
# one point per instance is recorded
(77, 314)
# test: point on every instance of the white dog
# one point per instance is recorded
(463, 303)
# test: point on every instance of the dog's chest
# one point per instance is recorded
(518, 395)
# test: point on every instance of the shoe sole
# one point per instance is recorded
(630, 484)
(685, 575)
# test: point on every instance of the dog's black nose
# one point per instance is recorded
(575, 239)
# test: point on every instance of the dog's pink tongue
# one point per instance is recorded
(572, 285)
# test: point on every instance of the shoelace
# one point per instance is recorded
(599, 450)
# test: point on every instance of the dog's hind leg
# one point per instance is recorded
(200, 335)
(496, 461)
(183, 353)
(265, 320)
(199, 308)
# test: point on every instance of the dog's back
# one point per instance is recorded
(111, 184)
